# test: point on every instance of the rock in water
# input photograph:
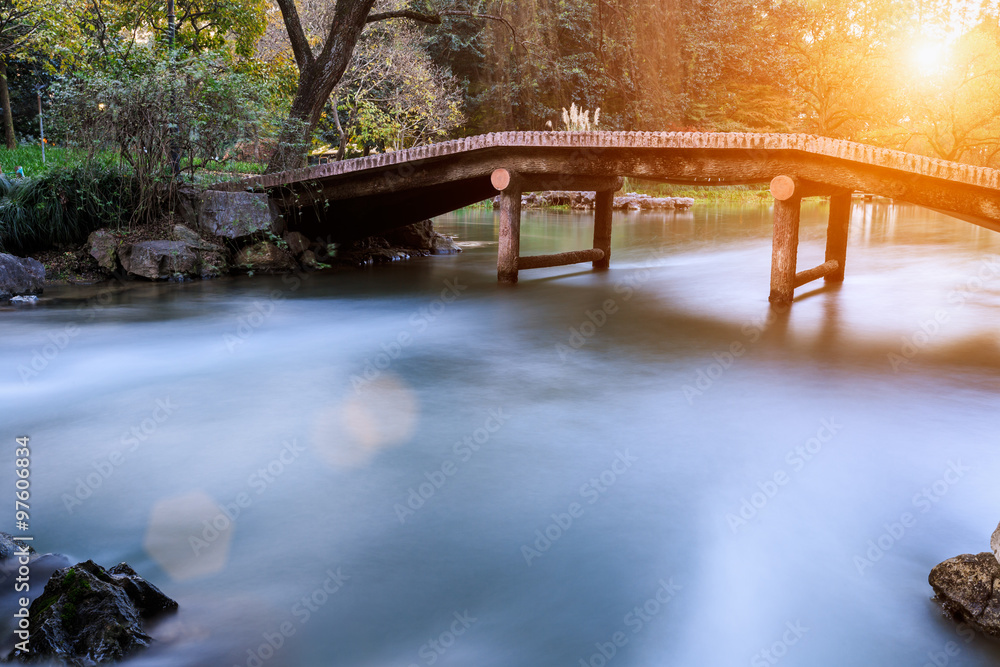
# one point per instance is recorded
(20, 276)
(995, 543)
(968, 588)
(88, 615)
(422, 238)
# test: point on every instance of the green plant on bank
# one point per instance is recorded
(63, 206)
(276, 240)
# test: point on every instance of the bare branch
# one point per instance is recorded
(434, 19)
(491, 17)
(297, 36)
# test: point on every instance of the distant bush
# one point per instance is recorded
(63, 206)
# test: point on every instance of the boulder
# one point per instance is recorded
(9, 546)
(20, 275)
(266, 258)
(297, 242)
(422, 238)
(237, 215)
(309, 260)
(212, 264)
(88, 615)
(159, 260)
(968, 588)
(212, 261)
(995, 543)
(191, 239)
(103, 246)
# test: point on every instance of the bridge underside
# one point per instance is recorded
(358, 198)
(362, 203)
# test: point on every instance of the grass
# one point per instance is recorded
(702, 193)
(30, 159)
(229, 166)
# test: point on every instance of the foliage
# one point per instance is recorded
(956, 111)
(392, 95)
(156, 110)
(115, 30)
(63, 206)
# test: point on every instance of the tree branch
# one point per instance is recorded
(434, 19)
(491, 17)
(296, 35)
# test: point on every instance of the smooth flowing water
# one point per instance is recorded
(412, 465)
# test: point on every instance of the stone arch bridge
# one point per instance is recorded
(365, 196)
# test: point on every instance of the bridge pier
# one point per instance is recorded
(788, 192)
(511, 185)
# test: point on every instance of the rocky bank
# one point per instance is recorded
(584, 201)
(212, 234)
(968, 588)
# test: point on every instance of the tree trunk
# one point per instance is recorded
(342, 148)
(8, 117)
(318, 76)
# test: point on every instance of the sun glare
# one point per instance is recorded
(928, 58)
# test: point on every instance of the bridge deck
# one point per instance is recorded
(366, 195)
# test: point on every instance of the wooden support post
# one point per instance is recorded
(510, 224)
(603, 201)
(836, 234)
(785, 239)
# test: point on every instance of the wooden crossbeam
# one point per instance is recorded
(560, 259)
(822, 271)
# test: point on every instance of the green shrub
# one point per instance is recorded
(63, 206)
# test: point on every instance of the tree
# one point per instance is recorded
(843, 64)
(955, 111)
(20, 21)
(320, 70)
(108, 30)
(392, 94)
